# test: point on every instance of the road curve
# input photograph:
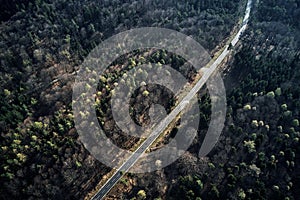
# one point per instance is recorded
(207, 72)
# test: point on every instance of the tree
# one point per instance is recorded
(271, 94)
(141, 194)
(250, 145)
(215, 192)
(284, 107)
(145, 93)
(295, 122)
(278, 91)
(241, 194)
(247, 107)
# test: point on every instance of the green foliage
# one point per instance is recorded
(141, 194)
(254, 123)
(271, 94)
(211, 165)
(215, 192)
(295, 122)
(241, 194)
(278, 91)
(15, 107)
(189, 187)
(250, 145)
(145, 93)
(247, 107)
(284, 107)
(78, 164)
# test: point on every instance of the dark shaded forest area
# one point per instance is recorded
(42, 43)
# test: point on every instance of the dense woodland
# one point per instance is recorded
(43, 43)
(258, 156)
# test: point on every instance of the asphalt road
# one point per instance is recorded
(207, 72)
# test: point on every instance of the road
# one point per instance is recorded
(207, 72)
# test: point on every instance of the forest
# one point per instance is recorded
(42, 44)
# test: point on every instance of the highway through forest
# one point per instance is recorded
(109, 184)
